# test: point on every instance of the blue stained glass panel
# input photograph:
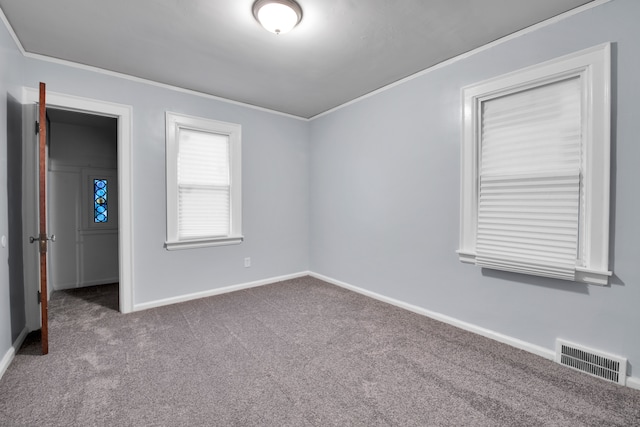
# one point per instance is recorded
(100, 200)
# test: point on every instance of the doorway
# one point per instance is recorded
(122, 116)
(82, 199)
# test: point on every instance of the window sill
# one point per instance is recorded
(593, 277)
(583, 275)
(203, 243)
(466, 257)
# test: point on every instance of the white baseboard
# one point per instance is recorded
(107, 281)
(217, 291)
(505, 339)
(11, 353)
(74, 285)
(633, 382)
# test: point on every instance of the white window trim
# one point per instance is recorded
(175, 122)
(593, 66)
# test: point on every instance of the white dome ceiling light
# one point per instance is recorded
(277, 16)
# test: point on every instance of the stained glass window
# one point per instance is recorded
(100, 200)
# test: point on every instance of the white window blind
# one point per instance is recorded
(530, 169)
(204, 185)
(535, 169)
(204, 182)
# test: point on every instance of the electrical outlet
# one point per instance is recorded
(247, 262)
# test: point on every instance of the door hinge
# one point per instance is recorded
(39, 297)
(37, 128)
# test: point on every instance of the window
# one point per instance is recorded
(535, 170)
(100, 195)
(203, 182)
(99, 199)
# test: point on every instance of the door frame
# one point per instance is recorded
(121, 112)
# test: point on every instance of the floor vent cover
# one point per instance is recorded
(593, 362)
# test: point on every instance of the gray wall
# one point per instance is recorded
(385, 192)
(14, 192)
(369, 194)
(12, 310)
(275, 186)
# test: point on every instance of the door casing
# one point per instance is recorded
(123, 113)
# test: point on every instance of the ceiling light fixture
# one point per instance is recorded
(277, 16)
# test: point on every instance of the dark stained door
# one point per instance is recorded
(43, 238)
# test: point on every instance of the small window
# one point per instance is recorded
(100, 195)
(203, 182)
(99, 199)
(535, 170)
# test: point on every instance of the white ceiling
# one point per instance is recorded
(341, 50)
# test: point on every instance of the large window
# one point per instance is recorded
(204, 199)
(535, 170)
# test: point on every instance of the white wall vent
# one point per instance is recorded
(602, 365)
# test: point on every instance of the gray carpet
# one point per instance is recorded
(296, 353)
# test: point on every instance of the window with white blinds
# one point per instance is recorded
(530, 162)
(203, 182)
(204, 185)
(535, 170)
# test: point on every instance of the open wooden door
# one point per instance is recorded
(43, 238)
